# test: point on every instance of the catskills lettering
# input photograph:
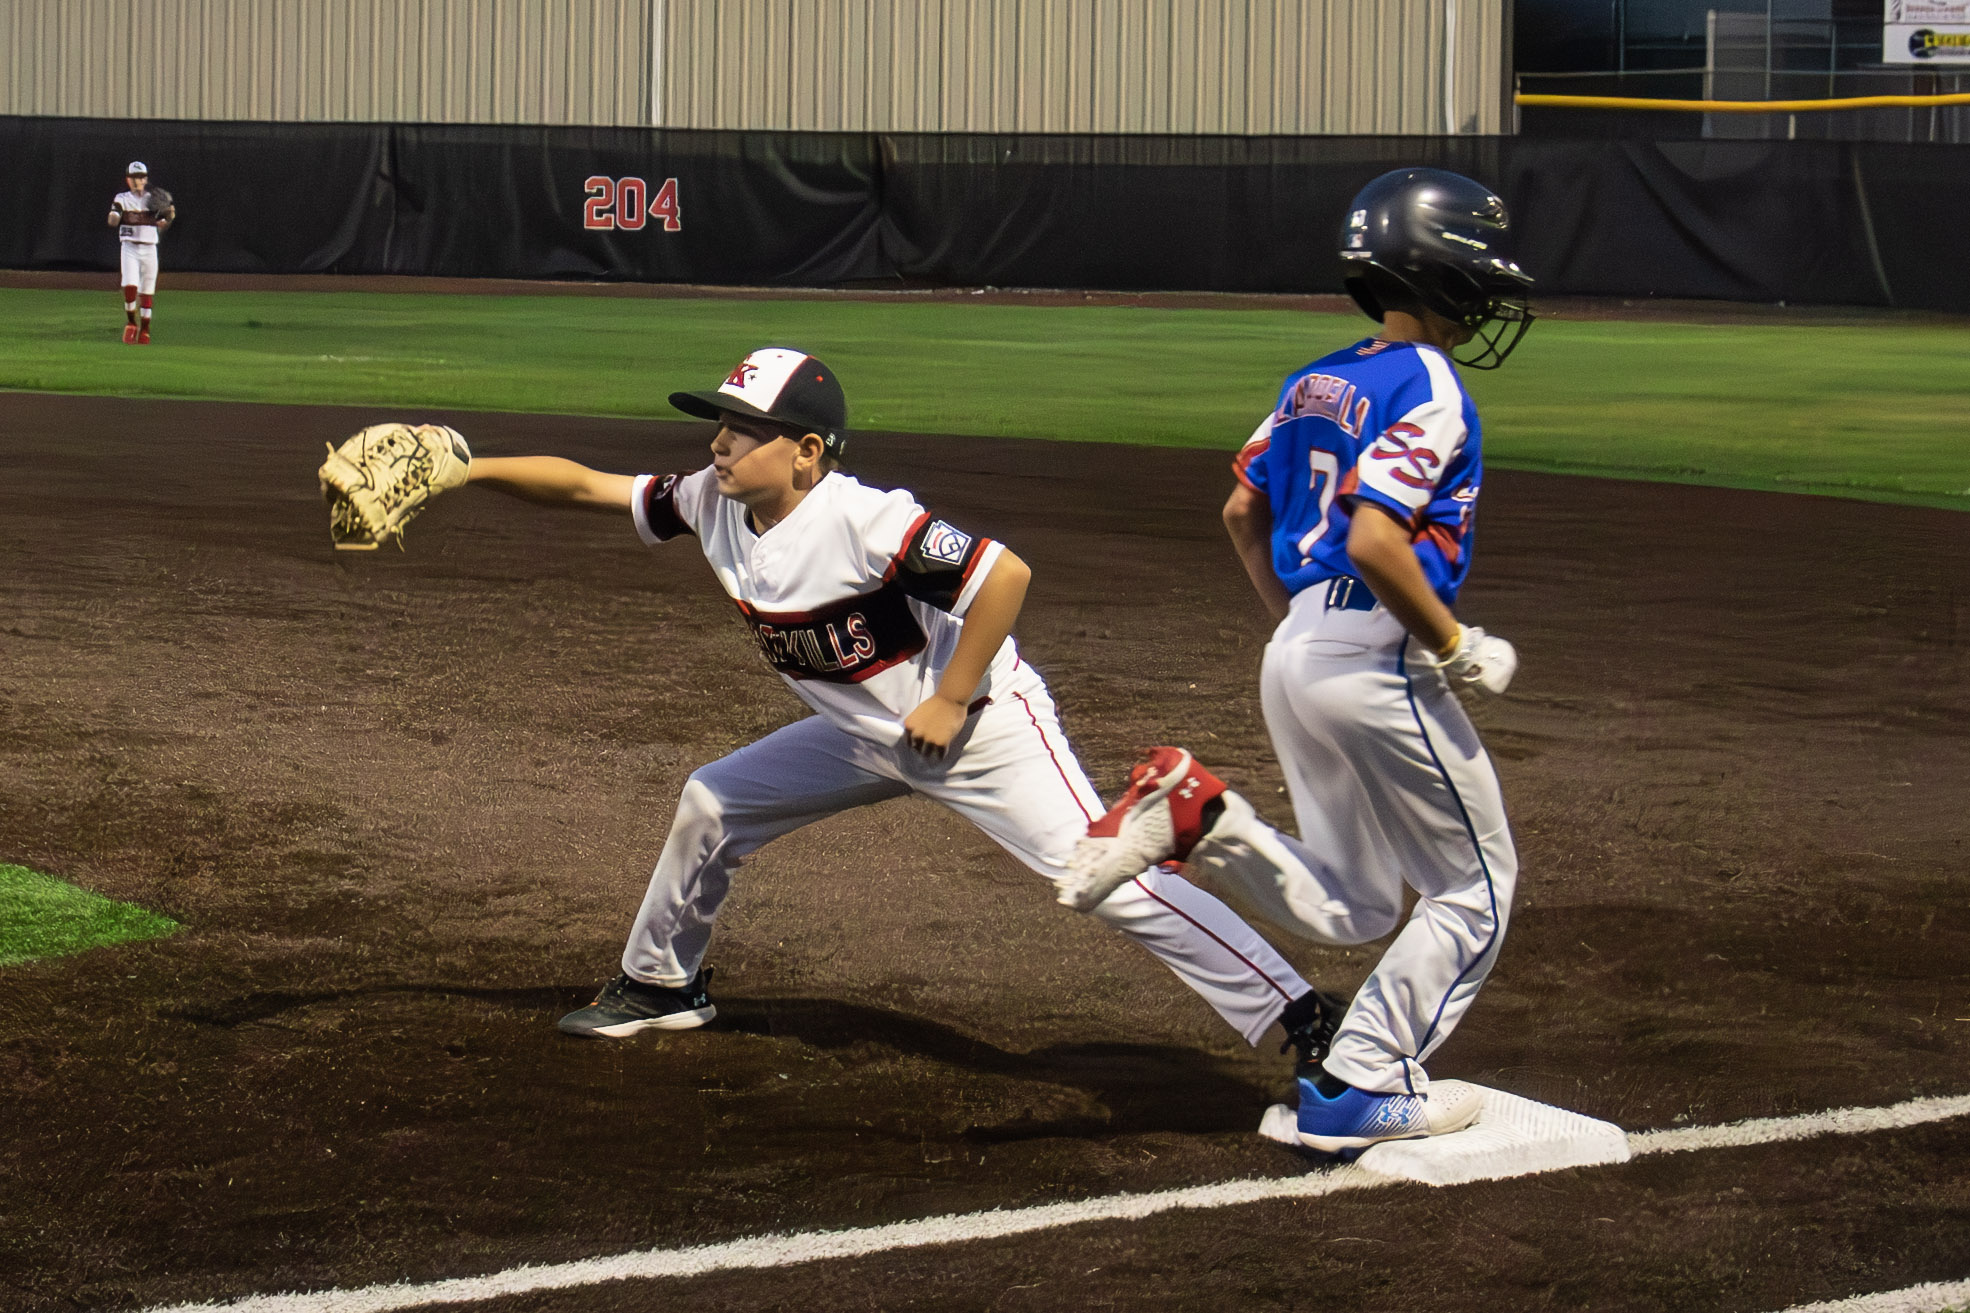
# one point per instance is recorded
(825, 647)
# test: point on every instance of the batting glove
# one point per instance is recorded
(1480, 663)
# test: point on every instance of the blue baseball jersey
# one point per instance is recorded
(1384, 422)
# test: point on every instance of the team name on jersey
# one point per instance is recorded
(843, 643)
(1327, 397)
(843, 637)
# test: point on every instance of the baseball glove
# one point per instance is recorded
(376, 482)
(160, 203)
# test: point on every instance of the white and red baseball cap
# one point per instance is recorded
(781, 384)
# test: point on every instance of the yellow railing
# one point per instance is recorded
(1742, 106)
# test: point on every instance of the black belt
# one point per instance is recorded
(1347, 593)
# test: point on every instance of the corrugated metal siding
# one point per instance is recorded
(1163, 66)
(437, 61)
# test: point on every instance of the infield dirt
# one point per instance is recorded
(404, 806)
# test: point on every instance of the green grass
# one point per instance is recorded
(41, 916)
(1872, 411)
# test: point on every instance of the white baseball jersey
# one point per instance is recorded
(130, 202)
(857, 598)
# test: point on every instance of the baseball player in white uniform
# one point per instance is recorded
(1353, 514)
(139, 216)
(893, 626)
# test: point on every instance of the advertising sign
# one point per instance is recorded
(1926, 32)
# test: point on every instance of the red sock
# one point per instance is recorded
(130, 301)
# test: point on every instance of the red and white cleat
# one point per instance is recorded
(1159, 818)
(143, 336)
(129, 335)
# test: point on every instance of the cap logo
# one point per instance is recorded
(761, 377)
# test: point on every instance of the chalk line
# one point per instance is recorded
(1772, 1130)
(777, 1250)
(1934, 1297)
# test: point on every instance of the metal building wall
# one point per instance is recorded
(435, 61)
(1164, 66)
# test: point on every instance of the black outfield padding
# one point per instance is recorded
(251, 197)
(1134, 213)
(777, 209)
(1815, 222)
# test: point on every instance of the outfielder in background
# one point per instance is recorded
(1353, 515)
(140, 215)
(894, 627)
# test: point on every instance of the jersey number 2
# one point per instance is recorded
(1326, 474)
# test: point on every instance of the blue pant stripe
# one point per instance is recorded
(1491, 890)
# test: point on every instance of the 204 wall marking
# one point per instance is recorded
(626, 204)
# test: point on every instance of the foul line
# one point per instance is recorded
(806, 1247)
(1772, 1130)
(1934, 1297)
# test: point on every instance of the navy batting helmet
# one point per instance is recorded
(1438, 239)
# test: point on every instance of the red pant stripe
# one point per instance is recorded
(1056, 760)
(1256, 970)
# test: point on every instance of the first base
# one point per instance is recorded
(1511, 1137)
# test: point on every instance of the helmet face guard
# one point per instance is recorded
(1441, 238)
(1498, 336)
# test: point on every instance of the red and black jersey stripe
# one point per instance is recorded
(848, 641)
(843, 642)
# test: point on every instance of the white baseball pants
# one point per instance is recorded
(140, 266)
(1011, 774)
(1390, 785)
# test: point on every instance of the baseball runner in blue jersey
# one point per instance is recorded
(1354, 515)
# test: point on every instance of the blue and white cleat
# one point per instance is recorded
(1355, 1119)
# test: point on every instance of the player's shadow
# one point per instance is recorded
(268, 1005)
(1144, 1087)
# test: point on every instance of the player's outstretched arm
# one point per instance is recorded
(987, 623)
(553, 481)
(1248, 519)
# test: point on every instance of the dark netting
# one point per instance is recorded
(1804, 221)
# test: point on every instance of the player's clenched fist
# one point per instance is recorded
(1479, 662)
(931, 727)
